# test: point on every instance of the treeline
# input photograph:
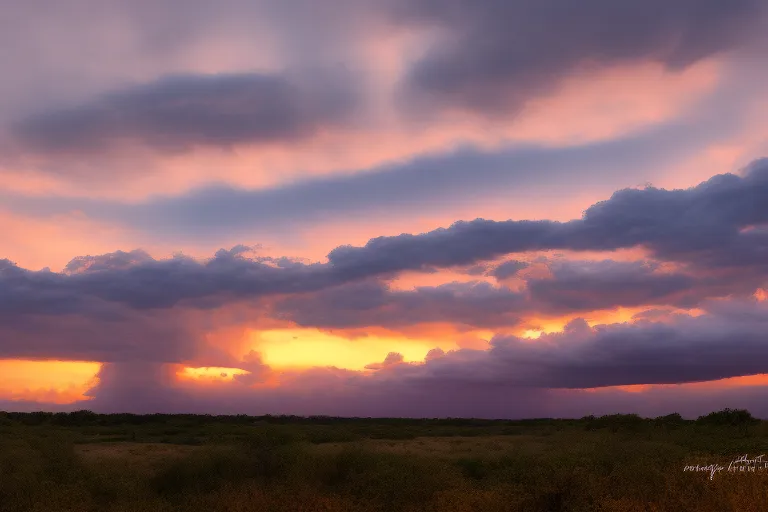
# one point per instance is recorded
(725, 417)
(733, 417)
(90, 418)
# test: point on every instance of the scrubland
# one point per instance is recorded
(108, 463)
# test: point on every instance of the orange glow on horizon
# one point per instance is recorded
(209, 373)
(730, 382)
(58, 382)
(305, 348)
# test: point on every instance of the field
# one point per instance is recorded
(88, 462)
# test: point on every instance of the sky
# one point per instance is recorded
(419, 208)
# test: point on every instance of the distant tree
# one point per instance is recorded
(733, 417)
(670, 419)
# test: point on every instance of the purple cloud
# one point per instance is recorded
(495, 55)
(177, 113)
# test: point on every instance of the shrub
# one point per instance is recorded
(732, 417)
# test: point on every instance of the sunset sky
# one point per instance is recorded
(487, 208)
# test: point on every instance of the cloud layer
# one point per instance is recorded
(176, 113)
(496, 55)
(340, 149)
(128, 309)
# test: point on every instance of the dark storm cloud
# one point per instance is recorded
(478, 305)
(496, 54)
(132, 383)
(100, 332)
(710, 347)
(586, 286)
(88, 315)
(178, 112)
(338, 393)
(508, 381)
(327, 391)
(152, 284)
(573, 287)
(577, 286)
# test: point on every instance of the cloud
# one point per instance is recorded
(178, 112)
(257, 369)
(688, 349)
(513, 379)
(130, 383)
(428, 182)
(435, 353)
(573, 286)
(393, 400)
(232, 75)
(103, 333)
(704, 222)
(129, 307)
(128, 40)
(701, 228)
(85, 314)
(476, 270)
(373, 303)
(595, 285)
(493, 55)
(392, 359)
(115, 260)
(508, 269)
(152, 284)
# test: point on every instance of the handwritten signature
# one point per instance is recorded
(742, 464)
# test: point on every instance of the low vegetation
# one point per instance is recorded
(89, 462)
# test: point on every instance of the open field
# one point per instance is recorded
(87, 462)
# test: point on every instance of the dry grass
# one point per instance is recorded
(451, 447)
(601, 465)
(147, 456)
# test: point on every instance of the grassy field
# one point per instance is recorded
(87, 462)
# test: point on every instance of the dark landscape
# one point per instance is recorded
(82, 461)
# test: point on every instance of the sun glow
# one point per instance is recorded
(302, 348)
(210, 372)
(50, 381)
